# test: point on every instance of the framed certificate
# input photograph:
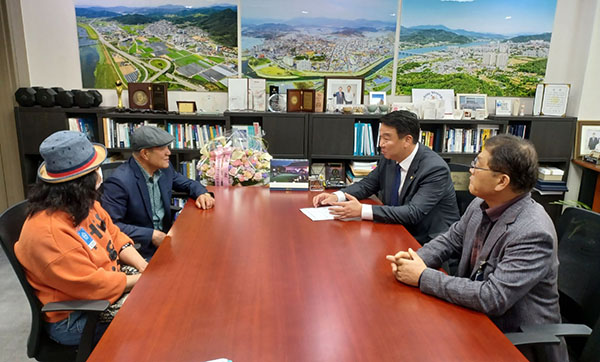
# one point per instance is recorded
(186, 106)
(555, 100)
(503, 107)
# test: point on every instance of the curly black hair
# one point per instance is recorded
(75, 197)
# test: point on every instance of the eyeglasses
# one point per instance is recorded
(474, 166)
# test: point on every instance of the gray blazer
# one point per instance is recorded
(519, 285)
(427, 199)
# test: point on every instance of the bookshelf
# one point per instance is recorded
(331, 136)
(318, 137)
(553, 138)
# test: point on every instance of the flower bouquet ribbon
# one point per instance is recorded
(222, 155)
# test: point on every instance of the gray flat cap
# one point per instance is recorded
(148, 137)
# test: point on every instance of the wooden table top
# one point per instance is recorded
(255, 280)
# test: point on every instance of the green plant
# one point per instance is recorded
(571, 203)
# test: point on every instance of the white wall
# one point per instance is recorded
(574, 58)
(589, 109)
(51, 43)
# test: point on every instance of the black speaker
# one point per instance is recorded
(45, 97)
(65, 99)
(83, 99)
(25, 97)
(97, 97)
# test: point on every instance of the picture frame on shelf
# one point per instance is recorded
(504, 107)
(471, 101)
(554, 102)
(399, 106)
(588, 138)
(421, 96)
(341, 91)
(184, 107)
(377, 98)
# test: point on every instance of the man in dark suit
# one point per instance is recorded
(138, 194)
(593, 141)
(412, 181)
(507, 247)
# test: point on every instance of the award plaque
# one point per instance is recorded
(300, 100)
(140, 95)
(159, 97)
(294, 100)
(186, 106)
(319, 99)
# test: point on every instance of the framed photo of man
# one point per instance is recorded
(340, 91)
(588, 138)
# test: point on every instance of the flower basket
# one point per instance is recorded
(238, 159)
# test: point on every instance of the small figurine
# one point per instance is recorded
(522, 110)
(119, 87)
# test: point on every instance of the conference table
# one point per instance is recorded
(254, 279)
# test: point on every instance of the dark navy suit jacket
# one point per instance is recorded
(427, 199)
(127, 200)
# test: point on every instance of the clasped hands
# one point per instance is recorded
(407, 266)
(342, 210)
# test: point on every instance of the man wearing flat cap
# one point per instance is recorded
(138, 194)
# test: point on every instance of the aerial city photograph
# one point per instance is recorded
(191, 47)
(471, 46)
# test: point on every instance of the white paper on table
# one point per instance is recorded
(317, 213)
(322, 213)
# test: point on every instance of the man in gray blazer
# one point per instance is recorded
(507, 248)
(412, 181)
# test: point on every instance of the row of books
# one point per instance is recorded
(188, 169)
(468, 140)
(187, 136)
(363, 139)
(83, 125)
(193, 136)
(427, 139)
(517, 130)
(118, 135)
(357, 170)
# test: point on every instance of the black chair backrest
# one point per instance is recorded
(579, 255)
(11, 223)
(460, 177)
(109, 167)
(107, 170)
(578, 233)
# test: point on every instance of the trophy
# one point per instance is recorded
(119, 87)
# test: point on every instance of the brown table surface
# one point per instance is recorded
(255, 280)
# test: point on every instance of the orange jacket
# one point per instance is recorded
(61, 265)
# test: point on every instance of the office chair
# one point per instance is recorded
(107, 170)
(109, 167)
(578, 233)
(39, 345)
(460, 177)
